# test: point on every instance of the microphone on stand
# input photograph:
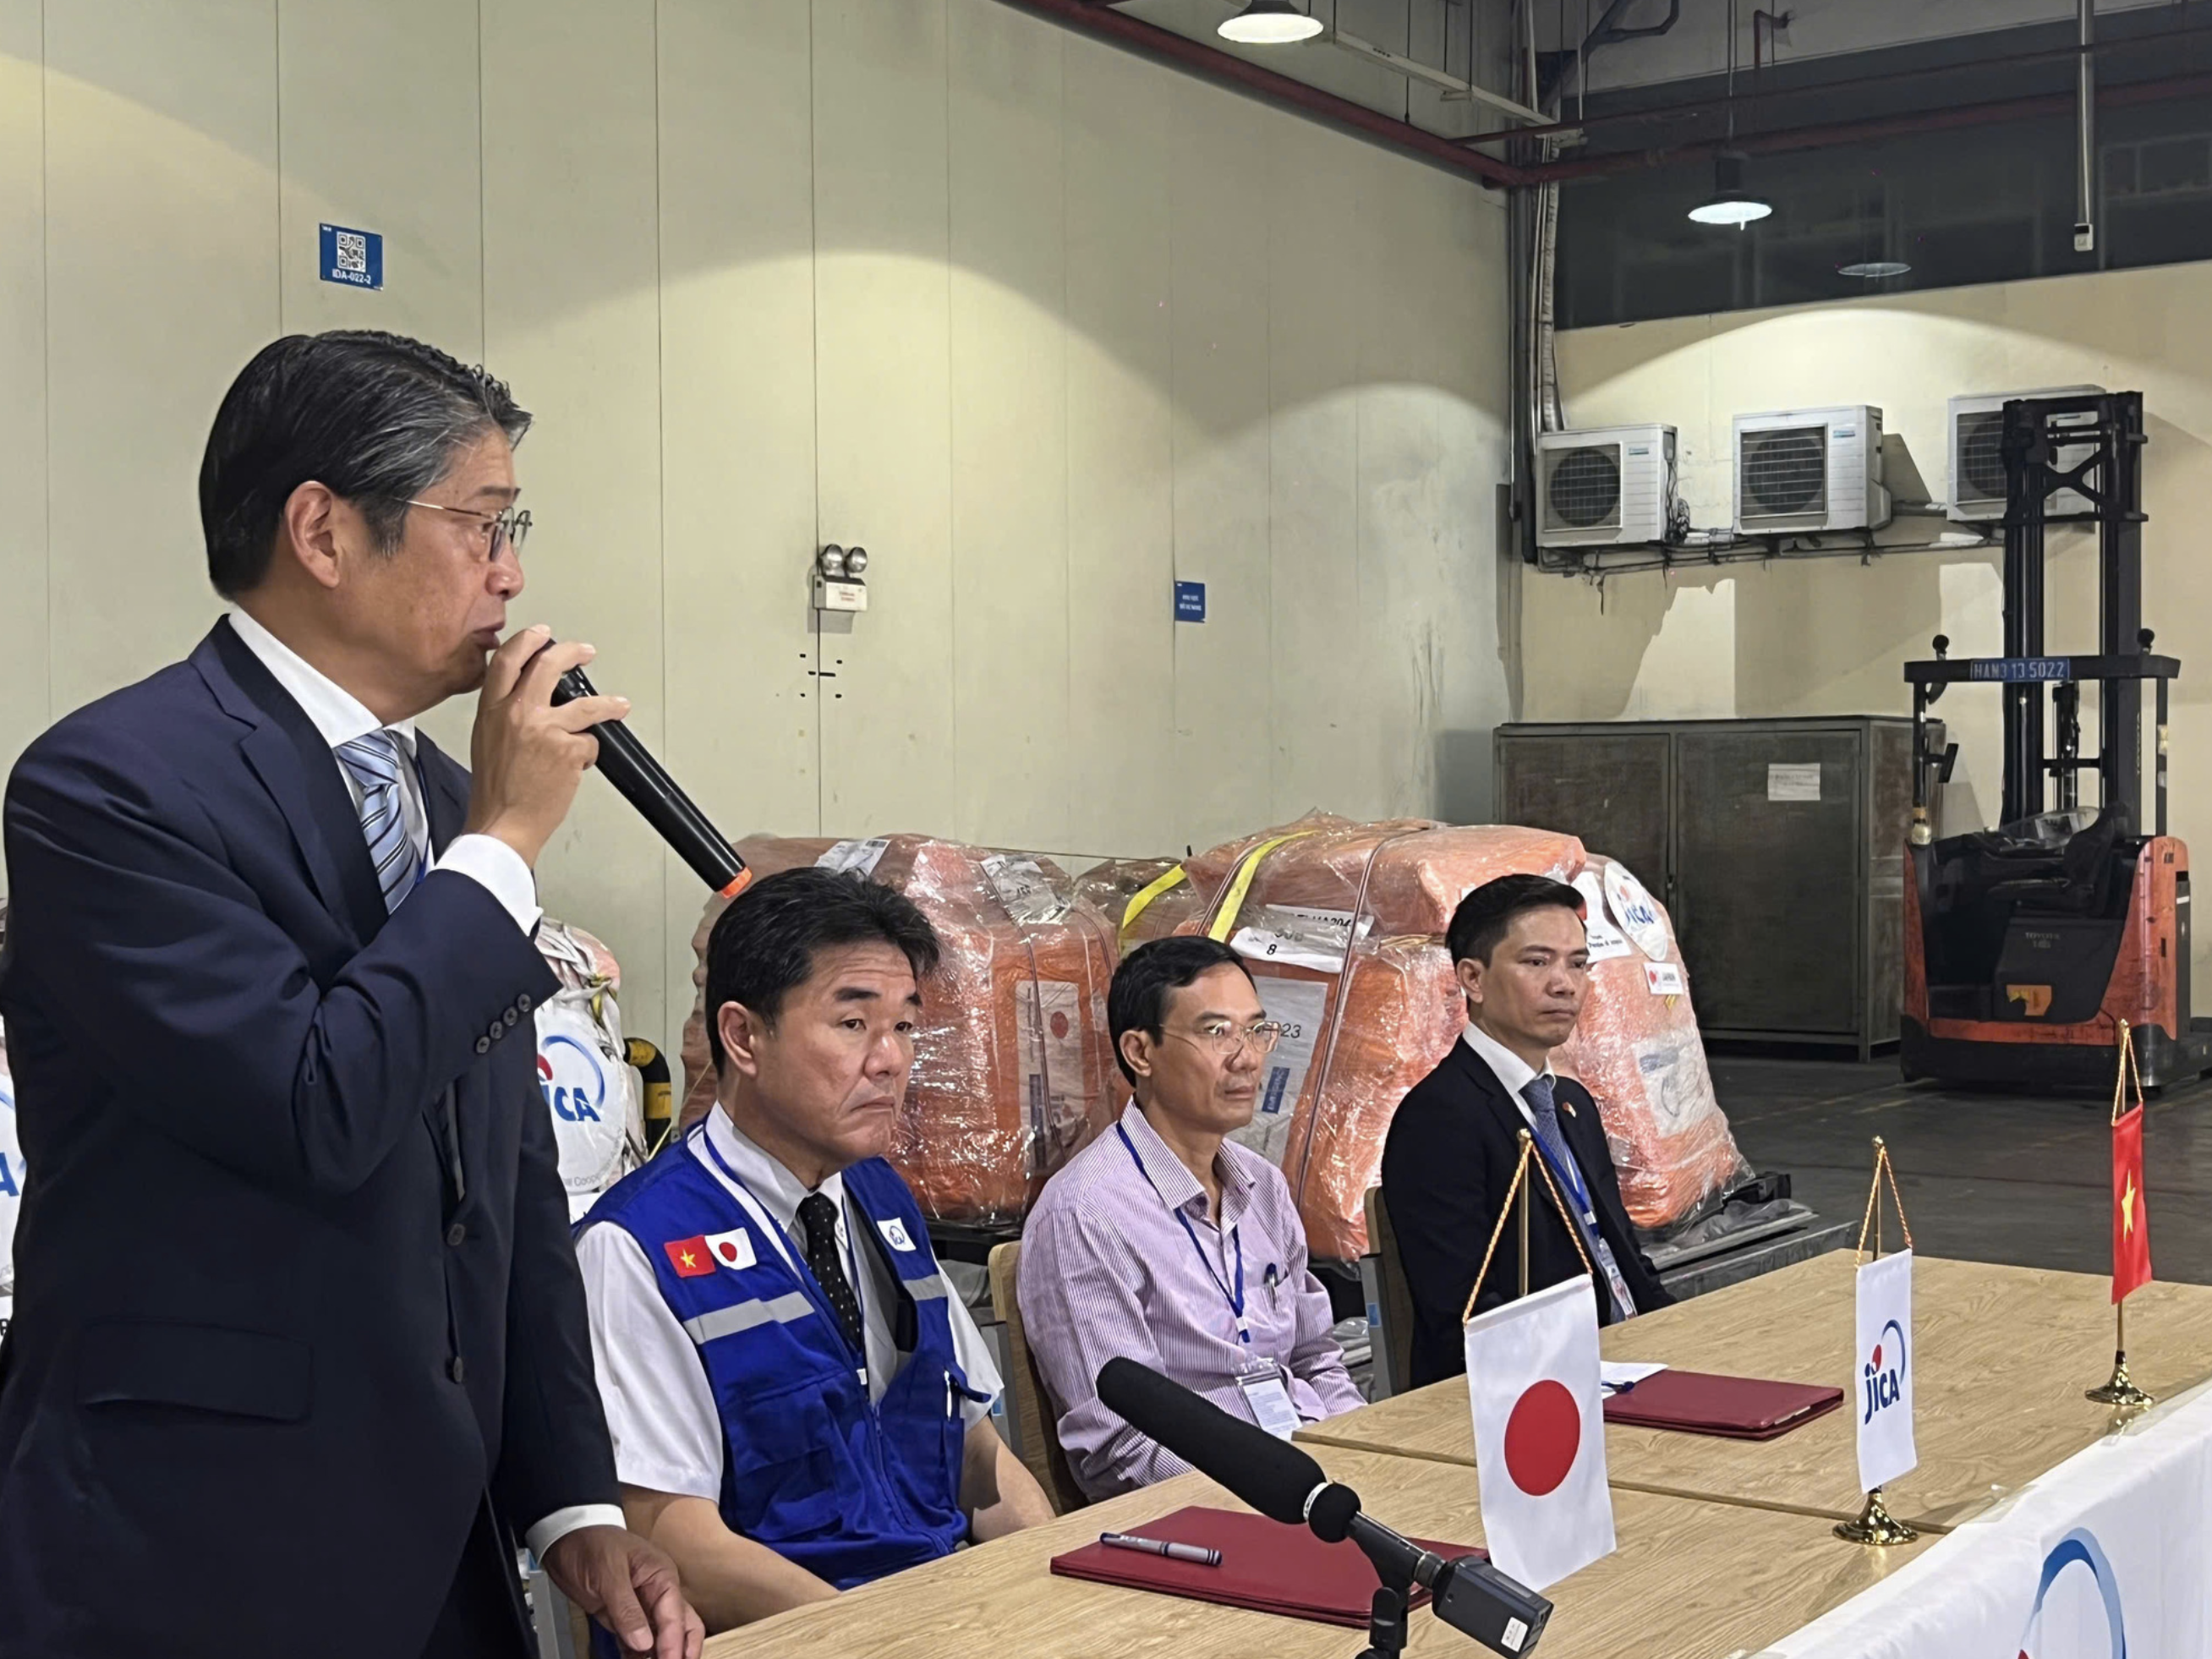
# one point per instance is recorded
(1283, 1483)
(642, 781)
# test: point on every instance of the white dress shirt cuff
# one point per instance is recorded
(500, 868)
(559, 1524)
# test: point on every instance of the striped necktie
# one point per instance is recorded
(373, 760)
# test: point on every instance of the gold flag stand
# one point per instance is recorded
(2120, 1391)
(1519, 1189)
(1876, 1525)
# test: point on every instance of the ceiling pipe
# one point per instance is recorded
(1828, 135)
(1700, 109)
(1225, 68)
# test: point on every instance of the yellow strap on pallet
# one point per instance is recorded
(1241, 883)
(1138, 905)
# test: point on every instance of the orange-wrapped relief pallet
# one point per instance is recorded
(1637, 1051)
(1342, 922)
(1013, 1070)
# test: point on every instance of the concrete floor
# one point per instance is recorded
(1985, 1177)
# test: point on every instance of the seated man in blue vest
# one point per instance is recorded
(797, 1404)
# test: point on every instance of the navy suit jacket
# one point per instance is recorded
(1446, 1164)
(266, 1363)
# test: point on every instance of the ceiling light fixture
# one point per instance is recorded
(1874, 268)
(1730, 203)
(1269, 23)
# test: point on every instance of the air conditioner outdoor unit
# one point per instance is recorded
(1804, 470)
(1606, 486)
(1977, 473)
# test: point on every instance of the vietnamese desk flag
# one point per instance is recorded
(2130, 1214)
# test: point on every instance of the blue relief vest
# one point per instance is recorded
(848, 1489)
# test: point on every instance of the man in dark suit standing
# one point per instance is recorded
(1523, 964)
(299, 1345)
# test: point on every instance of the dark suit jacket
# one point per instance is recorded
(265, 1367)
(1446, 1167)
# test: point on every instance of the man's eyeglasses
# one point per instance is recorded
(509, 527)
(1222, 1040)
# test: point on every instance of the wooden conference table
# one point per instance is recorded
(2002, 1356)
(1690, 1580)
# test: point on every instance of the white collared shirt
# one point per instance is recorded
(1509, 1069)
(340, 717)
(661, 1414)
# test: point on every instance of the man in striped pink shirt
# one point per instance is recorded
(1167, 1244)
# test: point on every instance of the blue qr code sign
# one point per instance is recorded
(354, 258)
(1190, 602)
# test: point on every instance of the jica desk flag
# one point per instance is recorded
(1886, 1361)
(1532, 1380)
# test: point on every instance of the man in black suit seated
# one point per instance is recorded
(1523, 963)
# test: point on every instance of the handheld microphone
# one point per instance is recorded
(645, 784)
(1285, 1484)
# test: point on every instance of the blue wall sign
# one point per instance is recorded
(1190, 602)
(354, 258)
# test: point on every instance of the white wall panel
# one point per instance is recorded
(379, 121)
(1219, 300)
(1324, 747)
(883, 384)
(1011, 616)
(160, 284)
(1121, 155)
(572, 321)
(737, 374)
(23, 636)
(1041, 323)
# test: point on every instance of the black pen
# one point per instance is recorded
(1195, 1554)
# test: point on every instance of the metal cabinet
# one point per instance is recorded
(1778, 845)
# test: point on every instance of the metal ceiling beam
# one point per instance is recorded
(1226, 70)
(1713, 108)
(1829, 134)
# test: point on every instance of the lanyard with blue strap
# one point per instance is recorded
(1569, 1174)
(1235, 1298)
(796, 1256)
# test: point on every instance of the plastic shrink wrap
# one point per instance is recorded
(1143, 899)
(1403, 876)
(1013, 1070)
(595, 1099)
(1297, 902)
(1637, 1051)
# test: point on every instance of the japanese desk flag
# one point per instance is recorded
(1886, 1361)
(1532, 1379)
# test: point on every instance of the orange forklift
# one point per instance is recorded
(2026, 945)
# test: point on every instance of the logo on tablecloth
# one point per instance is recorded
(2078, 1572)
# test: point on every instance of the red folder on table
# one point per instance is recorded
(1265, 1566)
(1736, 1408)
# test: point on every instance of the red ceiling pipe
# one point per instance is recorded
(1858, 132)
(1270, 88)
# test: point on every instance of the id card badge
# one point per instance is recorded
(1624, 1303)
(1269, 1401)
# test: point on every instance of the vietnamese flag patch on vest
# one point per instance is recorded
(690, 1256)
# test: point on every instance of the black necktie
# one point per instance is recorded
(818, 1216)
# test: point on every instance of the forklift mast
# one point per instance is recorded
(2110, 477)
